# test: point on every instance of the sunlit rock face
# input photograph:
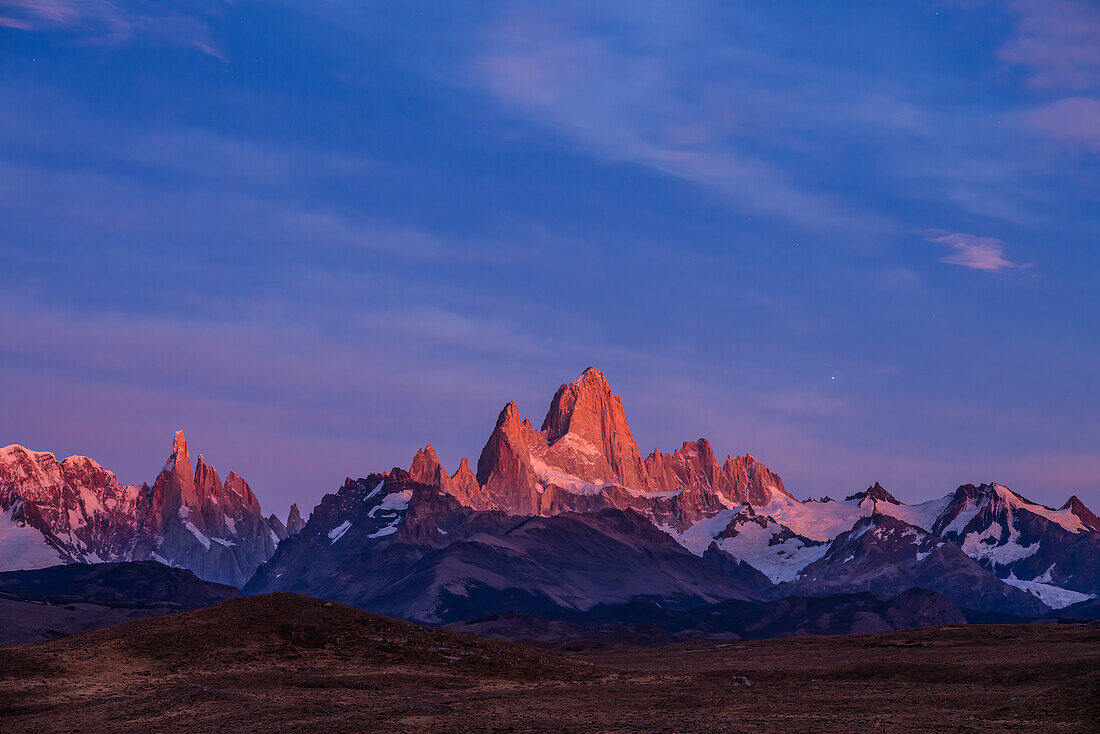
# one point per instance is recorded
(195, 521)
(463, 484)
(585, 458)
(588, 436)
(70, 511)
(75, 511)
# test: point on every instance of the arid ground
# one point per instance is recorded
(288, 663)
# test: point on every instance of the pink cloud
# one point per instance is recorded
(15, 23)
(1057, 45)
(105, 21)
(979, 253)
(638, 102)
(1058, 41)
(1074, 120)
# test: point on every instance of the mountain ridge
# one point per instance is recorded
(464, 540)
(75, 511)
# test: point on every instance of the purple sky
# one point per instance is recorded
(860, 241)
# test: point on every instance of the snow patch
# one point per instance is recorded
(699, 536)
(547, 474)
(1001, 554)
(779, 561)
(338, 532)
(821, 521)
(395, 502)
(161, 559)
(376, 490)
(577, 444)
(671, 493)
(21, 546)
(1065, 518)
(1053, 596)
(923, 515)
(966, 514)
(205, 541)
(921, 556)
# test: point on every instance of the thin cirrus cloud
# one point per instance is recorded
(1057, 45)
(644, 95)
(977, 253)
(1073, 120)
(1057, 42)
(107, 22)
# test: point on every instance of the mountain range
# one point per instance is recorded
(75, 511)
(568, 519)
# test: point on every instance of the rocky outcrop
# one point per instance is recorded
(874, 493)
(462, 485)
(426, 469)
(694, 466)
(195, 521)
(505, 467)
(277, 526)
(294, 521)
(1088, 519)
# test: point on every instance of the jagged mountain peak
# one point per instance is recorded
(588, 410)
(578, 404)
(294, 521)
(426, 469)
(585, 458)
(75, 511)
(1078, 508)
(463, 484)
(179, 446)
(195, 520)
(876, 492)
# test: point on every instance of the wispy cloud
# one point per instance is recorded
(1057, 45)
(1073, 120)
(979, 253)
(636, 85)
(1058, 42)
(182, 23)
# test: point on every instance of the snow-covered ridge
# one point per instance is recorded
(784, 536)
(1066, 518)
